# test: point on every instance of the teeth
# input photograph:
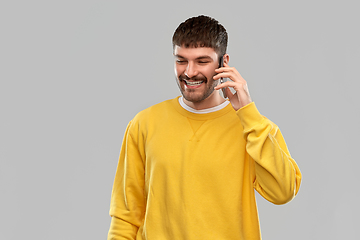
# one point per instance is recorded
(193, 83)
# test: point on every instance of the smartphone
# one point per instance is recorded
(221, 64)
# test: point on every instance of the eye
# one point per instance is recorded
(181, 61)
(204, 62)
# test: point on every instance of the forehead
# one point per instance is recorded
(193, 53)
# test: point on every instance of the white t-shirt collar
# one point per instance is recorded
(202, 111)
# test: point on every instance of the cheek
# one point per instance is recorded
(209, 73)
(178, 69)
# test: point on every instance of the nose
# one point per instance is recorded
(190, 70)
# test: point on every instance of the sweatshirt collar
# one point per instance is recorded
(205, 115)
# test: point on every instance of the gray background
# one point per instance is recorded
(73, 73)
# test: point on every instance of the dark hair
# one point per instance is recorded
(201, 31)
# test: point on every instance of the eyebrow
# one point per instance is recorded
(198, 58)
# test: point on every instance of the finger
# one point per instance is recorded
(230, 75)
(228, 92)
(235, 77)
(220, 86)
(227, 68)
(224, 69)
(218, 76)
(225, 65)
(226, 84)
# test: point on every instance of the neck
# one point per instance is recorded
(212, 101)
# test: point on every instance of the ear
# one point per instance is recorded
(226, 58)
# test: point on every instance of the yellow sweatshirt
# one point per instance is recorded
(188, 176)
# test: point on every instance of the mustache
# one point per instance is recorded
(196, 78)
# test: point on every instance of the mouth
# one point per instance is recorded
(193, 83)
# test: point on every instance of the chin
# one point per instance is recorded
(196, 98)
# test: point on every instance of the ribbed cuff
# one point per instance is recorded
(249, 116)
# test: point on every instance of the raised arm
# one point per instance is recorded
(277, 176)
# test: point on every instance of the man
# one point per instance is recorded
(188, 166)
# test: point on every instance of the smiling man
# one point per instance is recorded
(189, 166)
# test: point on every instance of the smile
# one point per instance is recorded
(192, 83)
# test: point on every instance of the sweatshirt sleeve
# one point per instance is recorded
(127, 201)
(277, 176)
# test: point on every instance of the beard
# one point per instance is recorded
(196, 95)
